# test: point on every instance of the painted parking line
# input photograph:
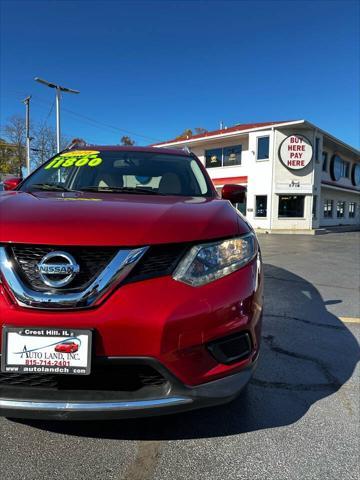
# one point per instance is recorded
(350, 319)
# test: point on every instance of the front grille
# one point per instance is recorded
(92, 261)
(159, 260)
(115, 378)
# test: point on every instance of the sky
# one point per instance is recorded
(151, 69)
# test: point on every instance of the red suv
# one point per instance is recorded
(129, 254)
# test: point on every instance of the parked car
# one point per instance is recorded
(131, 251)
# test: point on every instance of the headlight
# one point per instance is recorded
(209, 261)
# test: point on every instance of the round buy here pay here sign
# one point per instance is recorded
(296, 151)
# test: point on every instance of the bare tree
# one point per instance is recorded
(200, 130)
(125, 140)
(13, 145)
(44, 144)
(187, 133)
(77, 142)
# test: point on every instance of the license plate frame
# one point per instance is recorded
(65, 351)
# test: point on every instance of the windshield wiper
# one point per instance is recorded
(94, 188)
(49, 187)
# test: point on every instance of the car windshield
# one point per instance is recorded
(120, 172)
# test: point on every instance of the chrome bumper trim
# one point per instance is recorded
(29, 405)
(116, 271)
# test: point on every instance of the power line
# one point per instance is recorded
(97, 122)
(111, 126)
(48, 115)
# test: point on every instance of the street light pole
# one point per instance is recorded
(58, 132)
(26, 101)
(58, 89)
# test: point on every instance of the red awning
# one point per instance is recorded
(231, 180)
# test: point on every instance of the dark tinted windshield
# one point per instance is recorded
(121, 172)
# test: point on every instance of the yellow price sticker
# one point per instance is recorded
(79, 153)
(77, 158)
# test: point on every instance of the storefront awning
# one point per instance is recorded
(232, 180)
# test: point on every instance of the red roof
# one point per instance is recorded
(235, 128)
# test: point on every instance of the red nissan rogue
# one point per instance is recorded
(129, 254)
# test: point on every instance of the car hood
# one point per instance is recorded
(113, 219)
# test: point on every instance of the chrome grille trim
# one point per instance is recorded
(116, 271)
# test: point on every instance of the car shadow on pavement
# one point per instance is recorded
(307, 354)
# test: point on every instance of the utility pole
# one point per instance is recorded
(26, 101)
(58, 89)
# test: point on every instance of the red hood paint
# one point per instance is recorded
(111, 219)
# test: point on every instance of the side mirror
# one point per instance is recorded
(234, 193)
(11, 183)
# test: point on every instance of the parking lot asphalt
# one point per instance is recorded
(298, 419)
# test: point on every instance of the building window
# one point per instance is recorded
(317, 148)
(260, 206)
(232, 156)
(325, 161)
(339, 168)
(352, 209)
(213, 157)
(345, 169)
(314, 205)
(220, 157)
(340, 209)
(291, 205)
(263, 144)
(328, 209)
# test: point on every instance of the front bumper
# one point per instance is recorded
(165, 323)
(177, 398)
(163, 319)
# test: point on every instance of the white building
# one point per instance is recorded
(298, 176)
